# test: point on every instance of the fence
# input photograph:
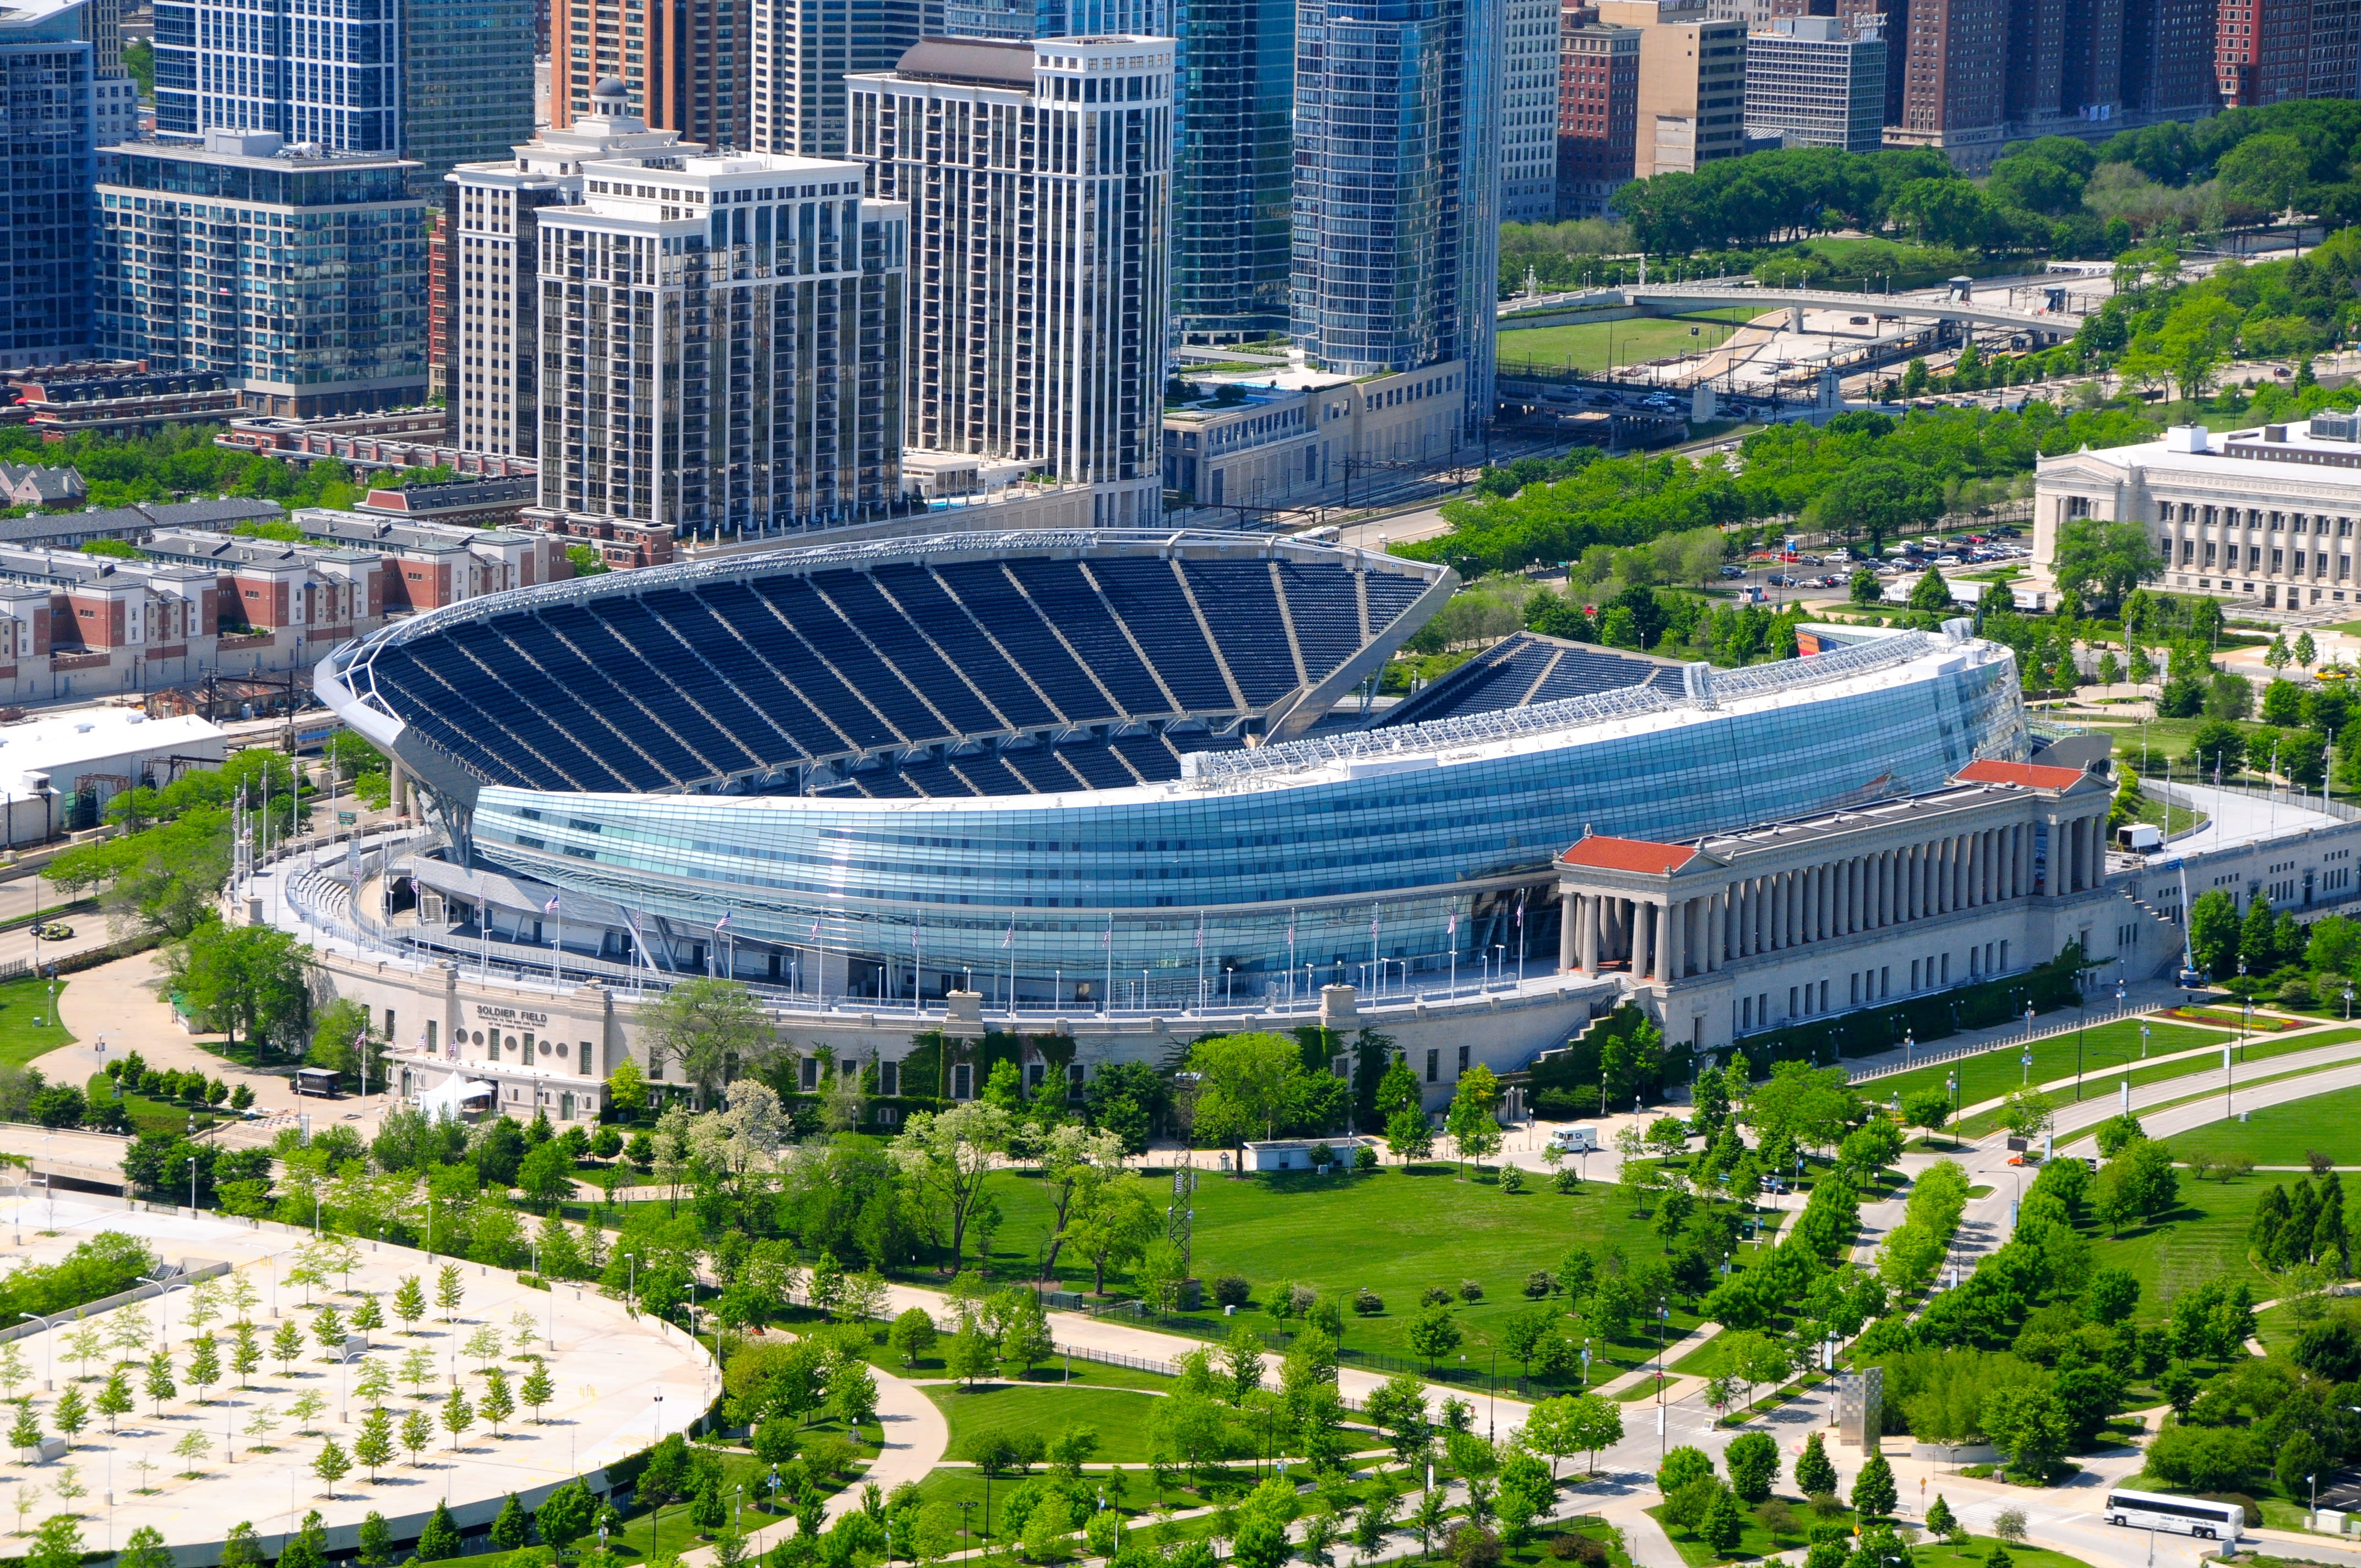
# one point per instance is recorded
(2085, 1018)
(145, 1291)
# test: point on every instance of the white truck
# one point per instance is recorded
(1577, 1140)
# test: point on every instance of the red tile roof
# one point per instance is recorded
(1628, 855)
(2027, 774)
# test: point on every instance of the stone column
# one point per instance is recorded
(1643, 933)
(1665, 962)
(1569, 930)
(1975, 870)
(1716, 923)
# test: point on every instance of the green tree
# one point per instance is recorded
(1753, 1461)
(1873, 1494)
(146, 1549)
(512, 1527)
(331, 1464)
(1816, 1475)
(567, 1515)
(2104, 561)
(2213, 934)
(1931, 593)
(70, 1414)
(2029, 1422)
(1434, 1333)
(115, 1400)
(1473, 1119)
(538, 1389)
(440, 1539)
(1880, 498)
(374, 1446)
(245, 979)
(707, 1026)
(1722, 1527)
(57, 1545)
(1246, 1084)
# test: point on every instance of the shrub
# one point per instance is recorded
(1513, 1179)
(1539, 1284)
(1566, 1181)
(1470, 1291)
(1569, 1547)
(1232, 1291)
(1368, 1302)
(1434, 1296)
(1364, 1157)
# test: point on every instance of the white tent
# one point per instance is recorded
(447, 1099)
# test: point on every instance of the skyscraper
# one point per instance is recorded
(1232, 173)
(1037, 178)
(1812, 85)
(466, 82)
(271, 65)
(1954, 88)
(299, 276)
(2167, 62)
(1397, 187)
(684, 63)
(48, 133)
(1597, 110)
(1692, 98)
(803, 49)
(442, 82)
(491, 215)
(1529, 112)
(720, 346)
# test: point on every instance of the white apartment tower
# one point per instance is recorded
(1038, 176)
(493, 211)
(720, 348)
(1529, 112)
(803, 50)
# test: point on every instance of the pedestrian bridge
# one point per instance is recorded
(1557, 309)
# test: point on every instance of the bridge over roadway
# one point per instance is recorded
(1530, 312)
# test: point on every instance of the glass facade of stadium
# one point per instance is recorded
(1174, 894)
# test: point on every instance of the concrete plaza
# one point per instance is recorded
(621, 1383)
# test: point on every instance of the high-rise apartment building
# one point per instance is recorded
(1954, 78)
(2268, 51)
(1397, 187)
(803, 49)
(492, 217)
(1233, 168)
(466, 85)
(274, 65)
(441, 82)
(2035, 60)
(297, 275)
(1037, 177)
(47, 164)
(720, 346)
(685, 64)
(1018, 21)
(2168, 58)
(1529, 112)
(1597, 110)
(1810, 84)
(1692, 96)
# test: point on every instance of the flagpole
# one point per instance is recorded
(1106, 1003)
(1291, 955)
(1201, 961)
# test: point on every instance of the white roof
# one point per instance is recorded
(70, 741)
(2159, 462)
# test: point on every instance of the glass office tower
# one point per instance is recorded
(1233, 186)
(468, 84)
(47, 167)
(1397, 186)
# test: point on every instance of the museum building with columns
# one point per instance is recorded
(1732, 933)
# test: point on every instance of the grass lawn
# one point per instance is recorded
(1755, 1544)
(1395, 1232)
(1989, 1074)
(28, 1025)
(1134, 1494)
(1004, 1409)
(2280, 1135)
(1586, 345)
(2204, 1238)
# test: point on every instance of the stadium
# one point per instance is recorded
(1097, 780)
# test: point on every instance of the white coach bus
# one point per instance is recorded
(2186, 1515)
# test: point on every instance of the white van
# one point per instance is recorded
(2140, 837)
(1577, 1140)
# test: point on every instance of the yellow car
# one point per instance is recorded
(55, 931)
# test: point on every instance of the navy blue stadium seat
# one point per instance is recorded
(825, 631)
(1100, 767)
(1147, 597)
(859, 600)
(965, 645)
(1242, 607)
(1062, 593)
(842, 718)
(1525, 670)
(1326, 611)
(1149, 756)
(987, 594)
(937, 780)
(1039, 766)
(610, 675)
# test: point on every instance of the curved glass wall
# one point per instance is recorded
(1163, 896)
